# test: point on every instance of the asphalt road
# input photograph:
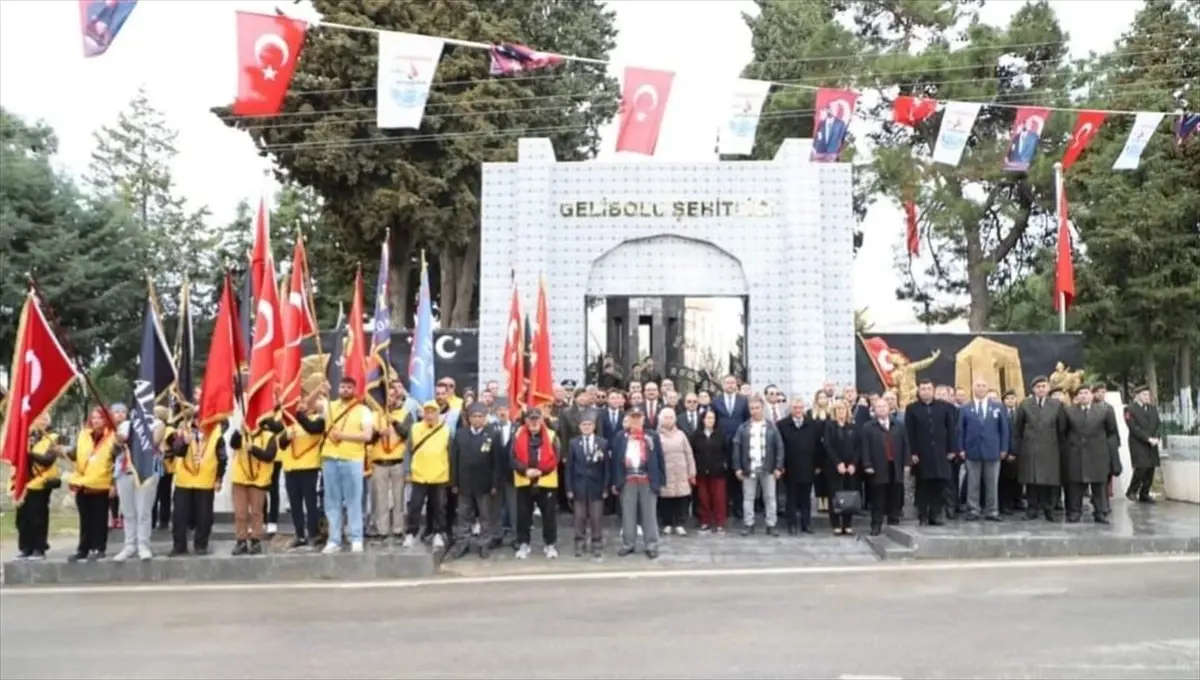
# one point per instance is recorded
(1085, 620)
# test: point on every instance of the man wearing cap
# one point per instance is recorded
(387, 481)
(427, 469)
(1092, 456)
(136, 502)
(1142, 419)
(475, 477)
(349, 428)
(587, 483)
(638, 474)
(535, 476)
(1038, 432)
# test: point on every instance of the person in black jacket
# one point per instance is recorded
(587, 483)
(932, 428)
(885, 454)
(711, 450)
(842, 463)
(802, 463)
(476, 474)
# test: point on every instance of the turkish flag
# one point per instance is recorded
(297, 325)
(41, 371)
(912, 236)
(268, 339)
(260, 252)
(644, 98)
(266, 60)
(541, 376)
(1064, 269)
(217, 400)
(1087, 125)
(514, 362)
(881, 358)
(355, 356)
(910, 111)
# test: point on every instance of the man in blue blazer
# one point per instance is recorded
(984, 438)
(732, 409)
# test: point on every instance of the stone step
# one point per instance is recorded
(889, 549)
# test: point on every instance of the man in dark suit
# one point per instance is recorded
(1038, 434)
(801, 464)
(613, 415)
(831, 133)
(885, 454)
(653, 404)
(690, 417)
(505, 429)
(932, 429)
(1142, 419)
(984, 438)
(732, 410)
(1092, 457)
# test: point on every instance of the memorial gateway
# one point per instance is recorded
(778, 234)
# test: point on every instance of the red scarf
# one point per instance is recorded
(547, 458)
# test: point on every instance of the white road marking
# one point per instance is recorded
(561, 577)
(1115, 667)
(850, 676)
(1025, 592)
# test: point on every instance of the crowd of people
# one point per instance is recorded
(465, 473)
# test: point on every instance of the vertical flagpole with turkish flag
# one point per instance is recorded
(355, 357)
(541, 384)
(297, 325)
(260, 400)
(218, 392)
(1064, 270)
(41, 372)
(514, 361)
(267, 48)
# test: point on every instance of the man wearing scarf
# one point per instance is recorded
(535, 476)
(638, 475)
(92, 483)
(33, 515)
(199, 470)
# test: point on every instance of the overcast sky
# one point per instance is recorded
(183, 51)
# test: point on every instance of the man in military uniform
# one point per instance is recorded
(477, 467)
(1091, 456)
(1038, 436)
(1142, 419)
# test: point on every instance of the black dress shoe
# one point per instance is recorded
(652, 554)
(459, 550)
(240, 548)
(1101, 519)
(77, 556)
(875, 531)
(936, 523)
(177, 552)
(993, 518)
(200, 550)
(805, 530)
(1130, 496)
(1147, 500)
(1073, 519)
(255, 547)
(624, 552)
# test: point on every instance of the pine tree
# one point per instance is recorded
(131, 164)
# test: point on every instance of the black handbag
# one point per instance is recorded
(847, 502)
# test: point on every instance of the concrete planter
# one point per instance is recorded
(1181, 468)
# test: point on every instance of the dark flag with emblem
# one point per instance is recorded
(155, 378)
(511, 59)
(379, 364)
(185, 348)
(333, 366)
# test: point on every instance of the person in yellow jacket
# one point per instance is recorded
(200, 464)
(301, 461)
(33, 515)
(253, 465)
(349, 428)
(535, 475)
(387, 453)
(427, 469)
(94, 456)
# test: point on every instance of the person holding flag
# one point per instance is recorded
(94, 456)
(33, 515)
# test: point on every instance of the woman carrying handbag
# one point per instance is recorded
(841, 449)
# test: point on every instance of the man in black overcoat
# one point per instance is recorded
(1091, 457)
(931, 426)
(1142, 419)
(1038, 442)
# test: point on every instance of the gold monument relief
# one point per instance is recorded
(1067, 381)
(997, 363)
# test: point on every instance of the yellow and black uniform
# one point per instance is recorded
(428, 467)
(348, 418)
(536, 451)
(301, 459)
(199, 468)
(387, 484)
(160, 514)
(33, 515)
(252, 469)
(94, 455)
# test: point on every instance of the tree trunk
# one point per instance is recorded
(464, 297)
(1187, 354)
(977, 288)
(399, 292)
(450, 259)
(1150, 368)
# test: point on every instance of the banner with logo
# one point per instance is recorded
(407, 65)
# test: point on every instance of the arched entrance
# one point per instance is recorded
(681, 303)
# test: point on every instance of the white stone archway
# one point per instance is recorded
(667, 265)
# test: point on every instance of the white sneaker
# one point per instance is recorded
(272, 528)
(523, 551)
(125, 554)
(439, 542)
(537, 512)
(639, 530)
(331, 549)
(475, 529)
(409, 541)
(356, 546)
(145, 554)
(551, 552)
(667, 530)
(680, 531)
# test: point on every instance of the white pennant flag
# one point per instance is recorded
(1143, 129)
(736, 137)
(407, 64)
(957, 121)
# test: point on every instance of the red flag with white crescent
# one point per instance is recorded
(41, 371)
(1087, 125)
(268, 339)
(644, 98)
(267, 48)
(880, 354)
(514, 360)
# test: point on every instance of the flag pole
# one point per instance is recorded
(1058, 217)
(306, 277)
